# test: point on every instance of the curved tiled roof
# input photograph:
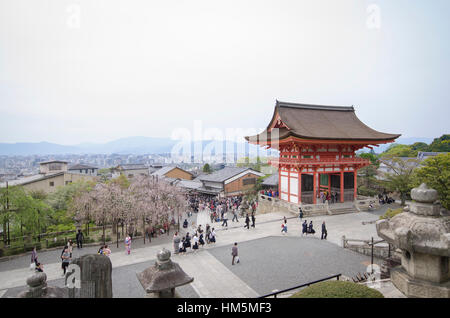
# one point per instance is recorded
(308, 121)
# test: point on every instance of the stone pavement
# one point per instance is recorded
(211, 277)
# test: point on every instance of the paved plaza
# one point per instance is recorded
(270, 260)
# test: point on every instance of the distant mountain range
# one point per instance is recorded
(130, 145)
(140, 145)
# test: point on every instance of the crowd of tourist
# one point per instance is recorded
(329, 196)
(219, 208)
(270, 193)
(193, 242)
(384, 198)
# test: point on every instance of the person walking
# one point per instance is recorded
(195, 239)
(208, 232)
(34, 259)
(305, 228)
(70, 247)
(187, 241)
(79, 238)
(234, 253)
(176, 243)
(225, 219)
(285, 220)
(300, 213)
(181, 246)
(65, 257)
(212, 236)
(283, 228)
(253, 219)
(310, 228)
(247, 222)
(201, 241)
(235, 215)
(128, 244)
(324, 231)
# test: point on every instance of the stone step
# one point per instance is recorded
(342, 211)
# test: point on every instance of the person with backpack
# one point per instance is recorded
(100, 250)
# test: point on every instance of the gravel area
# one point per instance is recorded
(282, 262)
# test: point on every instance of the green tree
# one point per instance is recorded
(368, 183)
(420, 146)
(398, 150)
(435, 172)
(400, 179)
(207, 168)
(441, 144)
(25, 214)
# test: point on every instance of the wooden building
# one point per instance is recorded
(229, 181)
(317, 146)
(173, 172)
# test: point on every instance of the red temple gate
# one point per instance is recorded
(317, 146)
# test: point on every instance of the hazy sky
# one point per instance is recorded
(93, 71)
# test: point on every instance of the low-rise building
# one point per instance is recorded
(53, 174)
(173, 172)
(229, 181)
(130, 170)
(83, 169)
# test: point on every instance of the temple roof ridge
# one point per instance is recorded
(314, 106)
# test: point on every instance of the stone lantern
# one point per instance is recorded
(162, 278)
(423, 236)
(37, 288)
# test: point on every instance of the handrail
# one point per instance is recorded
(300, 286)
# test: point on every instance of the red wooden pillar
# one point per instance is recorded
(314, 187)
(342, 184)
(289, 184)
(299, 185)
(279, 181)
(329, 183)
(355, 182)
